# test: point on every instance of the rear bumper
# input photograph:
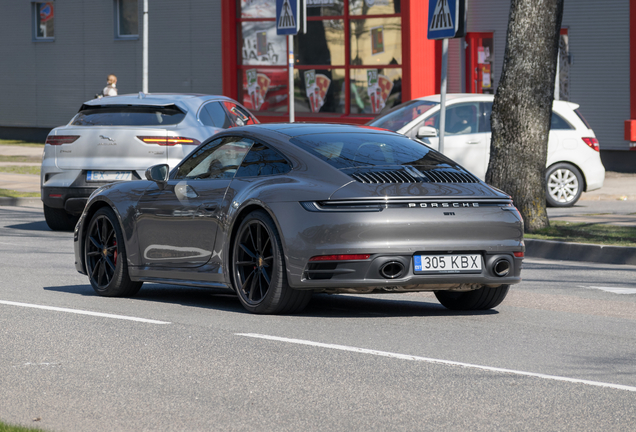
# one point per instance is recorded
(71, 199)
(594, 173)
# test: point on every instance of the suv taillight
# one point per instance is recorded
(592, 142)
(169, 141)
(61, 139)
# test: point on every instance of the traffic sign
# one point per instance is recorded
(446, 19)
(286, 17)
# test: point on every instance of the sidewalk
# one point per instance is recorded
(617, 187)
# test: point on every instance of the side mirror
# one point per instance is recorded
(426, 132)
(158, 173)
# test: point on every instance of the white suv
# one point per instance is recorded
(117, 138)
(574, 163)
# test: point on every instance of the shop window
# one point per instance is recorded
(43, 21)
(480, 62)
(347, 41)
(126, 19)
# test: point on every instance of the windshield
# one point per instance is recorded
(350, 150)
(402, 115)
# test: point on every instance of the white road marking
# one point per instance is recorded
(83, 312)
(438, 361)
(614, 290)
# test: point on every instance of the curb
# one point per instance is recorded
(21, 202)
(564, 251)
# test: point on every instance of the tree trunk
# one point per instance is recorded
(523, 107)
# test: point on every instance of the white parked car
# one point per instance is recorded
(574, 163)
(117, 138)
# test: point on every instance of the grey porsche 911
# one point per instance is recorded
(276, 212)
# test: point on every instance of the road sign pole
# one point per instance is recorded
(290, 43)
(442, 107)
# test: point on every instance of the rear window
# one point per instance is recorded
(578, 113)
(402, 115)
(127, 115)
(350, 150)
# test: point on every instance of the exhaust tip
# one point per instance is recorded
(501, 268)
(392, 270)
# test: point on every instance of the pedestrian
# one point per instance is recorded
(111, 87)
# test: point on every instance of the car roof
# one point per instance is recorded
(153, 99)
(459, 97)
(298, 129)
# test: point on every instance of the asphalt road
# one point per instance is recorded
(558, 354)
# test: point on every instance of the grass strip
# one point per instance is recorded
(15, 194)
(11, 428)
(30, 159)
(20, 142)
(594, 233)
(20, 169)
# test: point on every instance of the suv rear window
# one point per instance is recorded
(349, 150)
(127, 115)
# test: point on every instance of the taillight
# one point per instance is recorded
(592, 142)
(519, 254)
(169, 141)
(61, 139)
(354, 257)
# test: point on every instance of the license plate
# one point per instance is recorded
(469, 263)
(106, 176)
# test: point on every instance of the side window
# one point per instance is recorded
(217, 159)
(238, 116)
(559, 122)
(262, 160)
(213, 114)
(462, 119)
(484, 118)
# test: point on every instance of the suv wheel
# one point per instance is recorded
(59, 219)
(564, 185)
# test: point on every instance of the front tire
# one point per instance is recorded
(59, 220)
(258, 269)
(481, 299)
(105, 257)
(564, 185)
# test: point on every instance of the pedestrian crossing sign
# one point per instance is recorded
(446, 19)
(286, 17)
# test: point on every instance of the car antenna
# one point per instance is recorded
(141, 95)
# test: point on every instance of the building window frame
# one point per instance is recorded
(117, 7)
(36, 20)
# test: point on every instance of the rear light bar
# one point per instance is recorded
(592, 142)
(519, 254)
(169, 141)
(61, 139)
(354, 257)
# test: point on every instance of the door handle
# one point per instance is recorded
(210, 206)
(473, 142)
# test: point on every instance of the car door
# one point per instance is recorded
(466, 137)
(177, 223)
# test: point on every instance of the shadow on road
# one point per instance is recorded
(31, 226)
(320, 306)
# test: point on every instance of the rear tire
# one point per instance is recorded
(59, 219)
(258, 269)
(105, 257)
(481, 299)
(563, 185)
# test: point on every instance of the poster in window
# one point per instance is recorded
(378, 88)
(316, 87)
(377, 40)
(257, 86)
(261, 43)
(486, 81)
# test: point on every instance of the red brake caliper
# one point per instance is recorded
(115, 255)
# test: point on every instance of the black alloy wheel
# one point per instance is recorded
(259, 272)
(105, 257)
